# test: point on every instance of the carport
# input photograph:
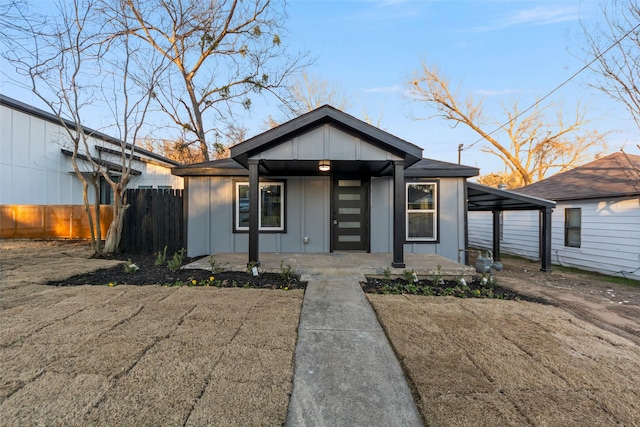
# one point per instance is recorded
(496, 200)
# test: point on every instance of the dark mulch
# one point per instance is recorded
(148, 273)
(472, 289)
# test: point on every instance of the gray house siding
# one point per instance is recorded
(210, 222)
(450, 216)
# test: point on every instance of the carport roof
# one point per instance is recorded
(483, 198)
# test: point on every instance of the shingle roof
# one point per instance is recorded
(612, 176)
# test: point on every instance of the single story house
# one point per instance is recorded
(326, 182)
(35, 163)
(596, 222)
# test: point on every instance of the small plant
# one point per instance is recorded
(216, 268)
(175, 263)
(410, 276)
(436, 277)
(386, 276)
(286, 272)
(161, 257)
(130, 267)
(250, 267)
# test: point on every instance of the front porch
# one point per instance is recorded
(343, 264)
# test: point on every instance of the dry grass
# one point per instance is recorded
(125, 355)
(491, 362)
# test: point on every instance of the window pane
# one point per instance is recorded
(349, 183)
(573, 218)
(420, 225)
(349, 224)
(573, 237)
(349, 211)
(243, 205)
(270, 206)
(420, 196)
(348, 238)
(343, 196)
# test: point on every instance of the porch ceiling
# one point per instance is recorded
(483, 198)
(310, 167)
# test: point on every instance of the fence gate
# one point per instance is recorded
(154, 220)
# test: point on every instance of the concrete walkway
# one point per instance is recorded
(346, 373)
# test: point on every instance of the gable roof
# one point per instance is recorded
(615, 175)
(313, 119)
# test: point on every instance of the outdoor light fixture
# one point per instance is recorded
(324, 165)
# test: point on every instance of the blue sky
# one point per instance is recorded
(496, 50)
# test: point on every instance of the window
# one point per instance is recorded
(572, 226)
(145, 187)
(421, 211)
(270, 208)
(164, 187)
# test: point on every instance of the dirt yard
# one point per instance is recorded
(129, 355)
(492, 362)
(150, 355)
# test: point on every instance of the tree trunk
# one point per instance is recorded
(114, 234)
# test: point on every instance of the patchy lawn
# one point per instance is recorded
(493, 362)
(130, 355)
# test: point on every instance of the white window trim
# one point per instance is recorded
(236, 206)
(416, 211)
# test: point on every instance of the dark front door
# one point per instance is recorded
(350, 207)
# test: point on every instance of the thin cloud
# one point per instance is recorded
(539, 15)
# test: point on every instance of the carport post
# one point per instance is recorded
(545, 244)
(496, 234)
(254, 191)
(399, 204)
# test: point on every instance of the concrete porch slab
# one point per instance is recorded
(343, 263)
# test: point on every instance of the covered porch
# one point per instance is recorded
(343, 263)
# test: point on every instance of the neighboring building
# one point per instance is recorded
(35, 167)
(595, 225)
(326, 182)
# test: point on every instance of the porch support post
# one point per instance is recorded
(545, 235)
(254, 191)
(496, 235)
(399, 224)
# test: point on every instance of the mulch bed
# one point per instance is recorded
(476, 288)
(148, 273)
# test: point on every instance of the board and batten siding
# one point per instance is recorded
(33, 171)
(610, 235)
(450, 217)
(210, 222)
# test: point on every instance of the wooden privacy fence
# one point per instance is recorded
(50, 221)
(154, 220)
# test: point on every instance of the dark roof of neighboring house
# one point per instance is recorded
(36, 112)
(313, 119)
(616, 175)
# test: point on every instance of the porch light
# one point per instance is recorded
(324, 165)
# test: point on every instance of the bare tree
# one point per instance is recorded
(71, 62)
(220, 51)
(615, 45)
(533, 143)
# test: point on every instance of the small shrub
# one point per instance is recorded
(175, 263)
(386, 276)
(436, 278)
(161, 257)
(286, 272)
(410, 276)
(130, 267)
(216, 267)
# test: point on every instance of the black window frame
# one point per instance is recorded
(567, 228)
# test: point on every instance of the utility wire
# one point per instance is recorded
(557, 87)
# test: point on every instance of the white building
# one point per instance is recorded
(595, 224)
(35, 167)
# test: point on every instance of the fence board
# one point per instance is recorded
(152, 220)
(50, 221)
